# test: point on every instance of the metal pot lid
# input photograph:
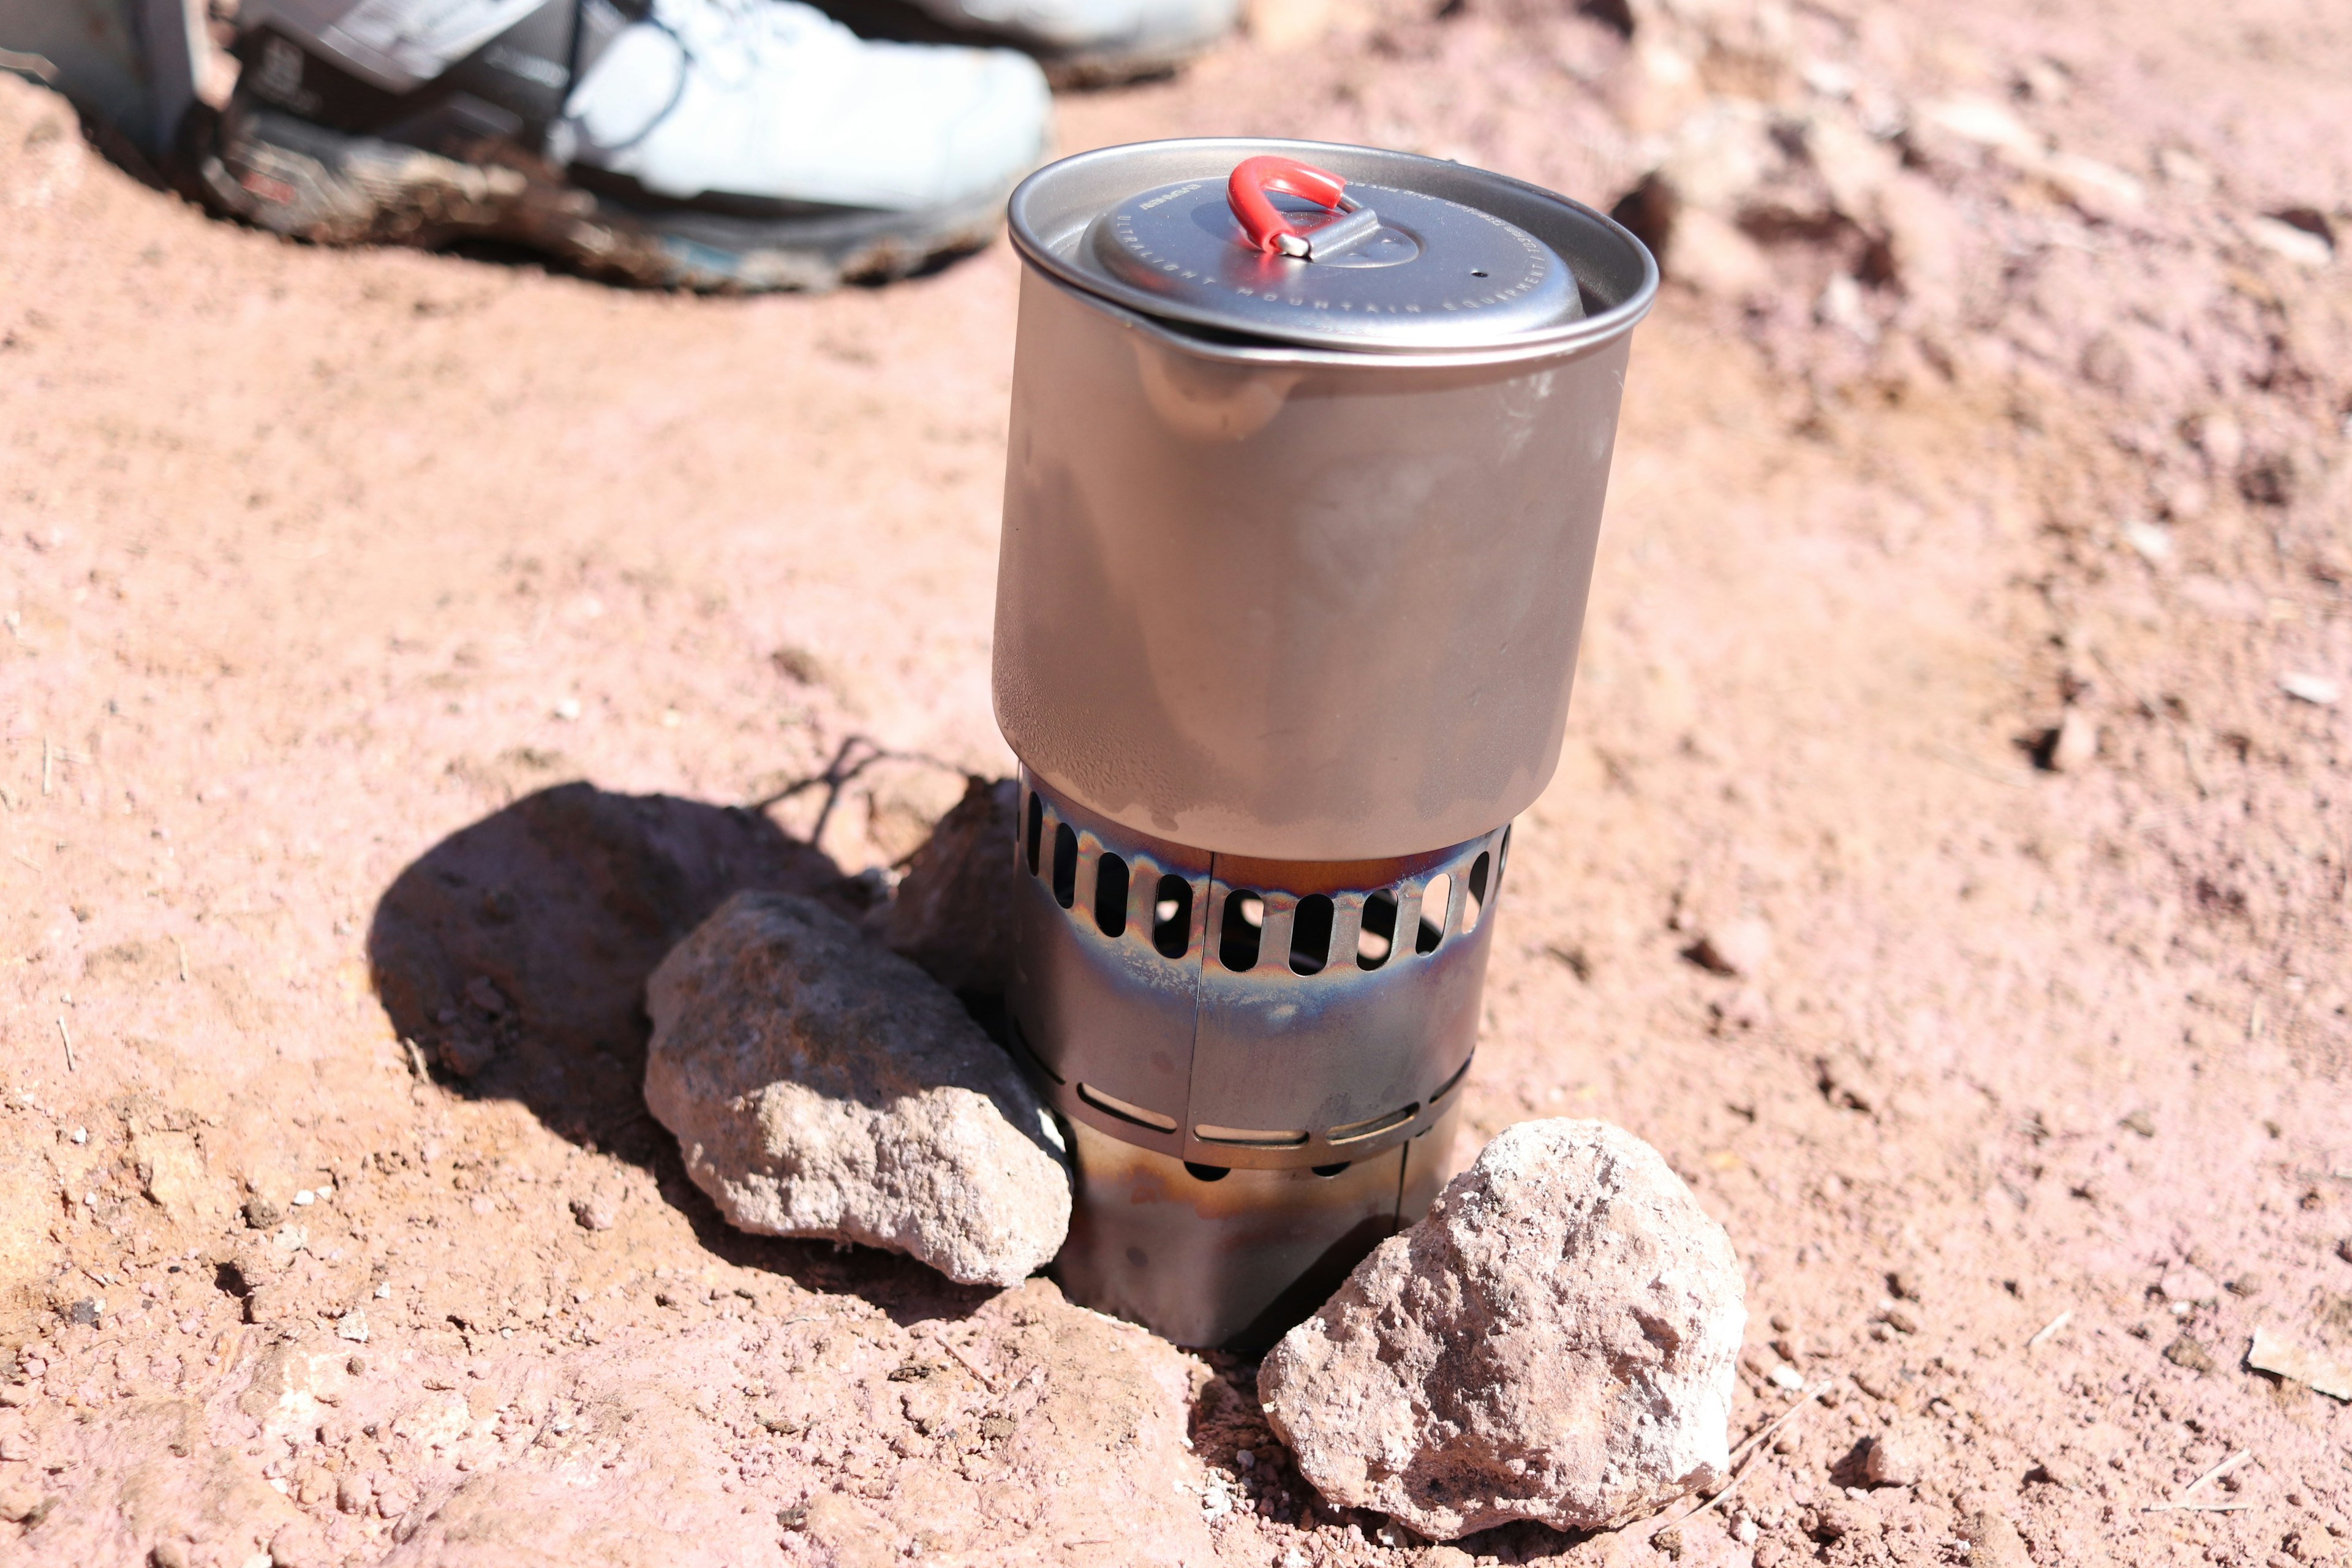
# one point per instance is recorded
(1353, 249)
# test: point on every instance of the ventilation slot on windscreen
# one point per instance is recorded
(1125, 1111)
(1357, 1131)
(1250, 1137)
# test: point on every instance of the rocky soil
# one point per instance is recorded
(1947, 871)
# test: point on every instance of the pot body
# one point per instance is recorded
(1293, 604)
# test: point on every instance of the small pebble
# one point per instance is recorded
(1891, 1462)
(1740, 947)
(2319, 691)
(81, 1135)
(2153, 541)
(1745, 1532)
(2187, 1353)
(2246, 1285)
(2189, 1285)
(1245, 1459)
(1787, 1377)
(2074, 744)
(305, 1198)
(2062, 1472)
(1902, 1319)
(1995, 1539)
(593, 1213)
(2141, 1123)
(261, 1214)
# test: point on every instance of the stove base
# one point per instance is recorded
(1237, 1260)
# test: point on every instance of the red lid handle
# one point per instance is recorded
(1260, 219)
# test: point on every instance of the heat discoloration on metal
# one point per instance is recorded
(1259, 1067)
(1239, 1256)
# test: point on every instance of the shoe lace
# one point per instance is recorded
(735, 37)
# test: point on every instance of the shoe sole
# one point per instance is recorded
(296, 178)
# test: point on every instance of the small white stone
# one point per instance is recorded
(567, 709)
(1745, 1532)
(2316, 689)
(305, 1198)
(1787, 1377)
(1982, 121)
(1829, 78)
(2153, 540)
(2076, 745)
(2281, 238)
(81, 1135)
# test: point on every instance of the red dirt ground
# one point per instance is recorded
(348, 586)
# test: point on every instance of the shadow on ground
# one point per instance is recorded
(513, 958)
(514, 952)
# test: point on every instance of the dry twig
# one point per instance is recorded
(67, 1038)
(2184, 1503)
(2049, 1328)
(970, 1365)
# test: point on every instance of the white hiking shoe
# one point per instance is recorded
(1097, 40)
(739, 144)
(1081, 43)
(771, 100)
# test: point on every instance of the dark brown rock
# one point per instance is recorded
(951, 914)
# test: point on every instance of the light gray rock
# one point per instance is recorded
(821, 1085)
(1555, 1341)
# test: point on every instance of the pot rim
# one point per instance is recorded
(1049, 212)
